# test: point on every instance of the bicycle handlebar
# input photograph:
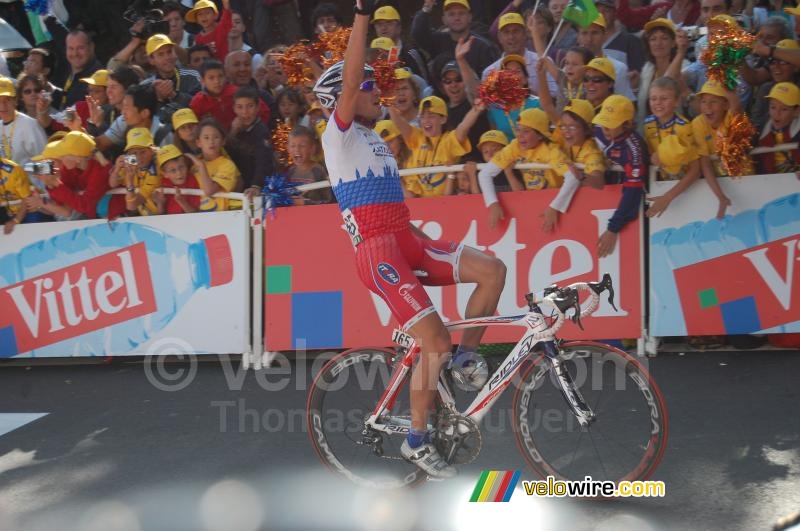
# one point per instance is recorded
(562, 299)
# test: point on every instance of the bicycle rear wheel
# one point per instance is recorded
(341, 398)
(628, 435)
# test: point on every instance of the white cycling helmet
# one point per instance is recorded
(329, 84)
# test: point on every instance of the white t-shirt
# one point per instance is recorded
(24, 136)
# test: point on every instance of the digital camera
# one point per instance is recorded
(45, 167)
(130, 159)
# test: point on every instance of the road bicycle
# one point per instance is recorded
(581, 408)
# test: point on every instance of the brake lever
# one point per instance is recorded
(605, 284)
(576, 306)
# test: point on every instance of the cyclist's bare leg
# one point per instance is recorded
(435, 344)
(490, 275)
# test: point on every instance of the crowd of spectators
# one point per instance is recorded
(193, 101)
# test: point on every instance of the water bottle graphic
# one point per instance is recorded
(126, 282)
(697, 241)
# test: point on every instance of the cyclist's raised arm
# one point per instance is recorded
(353, 71)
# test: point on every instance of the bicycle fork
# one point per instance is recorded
(583, 413)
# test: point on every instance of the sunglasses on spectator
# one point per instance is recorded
(367, 85)
(450, 81)
(30, 91)
(594, 79)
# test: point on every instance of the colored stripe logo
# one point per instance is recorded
(495, 486)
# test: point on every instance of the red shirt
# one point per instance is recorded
(217, 39)
(92, 182)
(221, 107)
(172, 206)
(634, 18)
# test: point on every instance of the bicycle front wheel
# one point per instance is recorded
(628, 435)
(342, 397)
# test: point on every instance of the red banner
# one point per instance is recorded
(314, 299)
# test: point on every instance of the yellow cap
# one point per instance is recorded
(167, 153)
(725, 20)
(536, 119)
(7, 88)
(713, 88)
(385, 13)
(75, 143)
(604, 65)
(511, 18)
(433, 104)
(382, 43)
(788, 44)
(98, 79)
(448, 3)
(792, 10)
(402, 73)
(582, 108)
(191, 15)
(786, 93)
(320, 126)
(600, 20)
(660, 23)
(493, 135)
(138, 137)
(672, 153)
(157, 41)
(387, 130)
(616, 111)
(512, 58)
(182, 117)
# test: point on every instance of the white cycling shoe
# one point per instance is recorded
(470, 372)
(428, 459)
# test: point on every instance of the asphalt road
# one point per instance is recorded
(115, 453)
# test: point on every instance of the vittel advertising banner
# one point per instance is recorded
(94, 288)
(314, 298)
(736, 275)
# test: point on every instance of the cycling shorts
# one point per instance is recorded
(396, 265)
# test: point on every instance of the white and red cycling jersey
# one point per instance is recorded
(366, 182)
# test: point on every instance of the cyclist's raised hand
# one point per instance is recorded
(495, 214)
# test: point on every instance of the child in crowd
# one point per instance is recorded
(304, 169)
(532, 144)
(465, 182)
(214, 32)
(489, 144)
(431, 146)
(136, 172)
(670, 142)
(248, 142)
(569, 77)
(215, 171)
(172, 167)
(216, 98)
(574, 137)
(184, 125)
(621, 144)
(783, 127)
(199, 54)
(14, 186)
(388, 131)
(717, 107)
(291, 106)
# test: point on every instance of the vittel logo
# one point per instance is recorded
(78, 299)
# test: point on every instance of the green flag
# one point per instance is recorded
(580, 12)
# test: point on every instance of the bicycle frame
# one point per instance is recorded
(536, 331)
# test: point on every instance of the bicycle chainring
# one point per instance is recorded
(458, 438)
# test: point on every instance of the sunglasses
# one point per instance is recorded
(595, 79)
(452, 80)
(367, 85)
(30, 91)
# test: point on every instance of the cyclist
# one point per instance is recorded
(388, 249)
